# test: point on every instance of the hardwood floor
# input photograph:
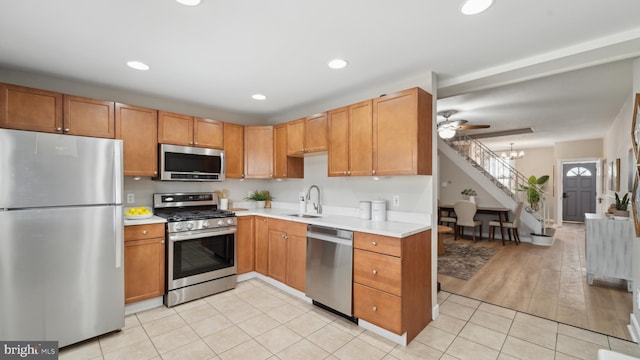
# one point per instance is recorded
(549, 282)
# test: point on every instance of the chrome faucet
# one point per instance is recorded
(316, 206)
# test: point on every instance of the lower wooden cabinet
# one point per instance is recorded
(262, 244)
(392, 281)
(245, 249)
(144, 251)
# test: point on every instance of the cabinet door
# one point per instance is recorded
(316, 133)
(295, 137)
(377, 307)
(144, 269)
(360, 139)
(245, 245)
(338, 133)
(207, 133)
(262, 244)
(402, 133)
(89, 117)
(296, 261)
(258, 152)
(24, 108)
(137, 127)
(285, 166)
(278, 255)
(234, 150)
(175, 129)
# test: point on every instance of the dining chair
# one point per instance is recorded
(465, 213)
(512, 227)
(444, 216)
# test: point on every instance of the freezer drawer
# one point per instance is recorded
(61, 273)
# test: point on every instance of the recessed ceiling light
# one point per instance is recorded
(338, 64)
(258, 97)
(472, 7)
(189, 2)
(138, 65)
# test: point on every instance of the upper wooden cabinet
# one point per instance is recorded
(258, 152)
(187, 130)
(234, 150)
(402, 133)
(88, 117)
(307, 135)
(350, 140)
(285, 166)
(25, 108)
(138, 128)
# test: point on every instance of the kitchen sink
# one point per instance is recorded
(305, 216)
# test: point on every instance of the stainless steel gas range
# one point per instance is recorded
(201, 256)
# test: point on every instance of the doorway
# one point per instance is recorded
(579, 190)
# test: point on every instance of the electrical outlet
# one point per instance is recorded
(396, 200)
(131, 198)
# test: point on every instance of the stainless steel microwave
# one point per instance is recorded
(185, 163)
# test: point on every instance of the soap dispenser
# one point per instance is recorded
(303, 203)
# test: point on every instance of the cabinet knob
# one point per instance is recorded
(155, 173)
(344, 172)
(59, 129)
(264, 220)
(190, 142)
(374, 172)
(282, 236)
(374, 272)
(375, 308)
(196, 143)
(348, 172)
(162, 242)
(374, 243)
(66, 130)
(144, 232)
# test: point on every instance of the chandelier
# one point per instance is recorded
(512, 155)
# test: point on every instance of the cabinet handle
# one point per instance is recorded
(374, 172)
(190, 142)
(374, 272)
(66, 130)
(374, 243)
(155, 173)
(344, 173)
(144, 232)
(375, 308)
(196, 143)
(264, 220)
(59, 129)
(348, 172)
(282, 236)
(162, 242)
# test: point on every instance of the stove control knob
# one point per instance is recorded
(190, 225)
(229, 221)
(178, 227)
(221, 222)
(205, 224)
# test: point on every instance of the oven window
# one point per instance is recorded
(198, 256)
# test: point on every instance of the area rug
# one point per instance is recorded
(462, 261)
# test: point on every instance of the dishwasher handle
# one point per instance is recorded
(332, 239)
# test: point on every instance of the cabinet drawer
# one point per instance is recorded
(378, 243)
(378, 308)
(382, 272)
(147, 231)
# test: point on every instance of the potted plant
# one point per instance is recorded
(469, 194)
(534, 190)
(621, 206)
(260, 197)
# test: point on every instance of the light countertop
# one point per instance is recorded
(152, 220)
(386, 228)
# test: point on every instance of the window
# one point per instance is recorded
(578, 171)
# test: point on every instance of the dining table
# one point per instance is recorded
(501, 212)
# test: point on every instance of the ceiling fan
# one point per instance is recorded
(447, 128)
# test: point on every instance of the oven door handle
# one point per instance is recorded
(191, 236)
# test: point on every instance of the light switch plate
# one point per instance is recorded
(396, 200)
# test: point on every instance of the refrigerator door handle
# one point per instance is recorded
(118, 172)
(119, 226)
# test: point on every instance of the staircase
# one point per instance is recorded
(496, 176)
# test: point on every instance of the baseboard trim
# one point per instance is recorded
(634, 328)
(435, 312)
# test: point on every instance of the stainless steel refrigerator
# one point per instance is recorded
(61, 237)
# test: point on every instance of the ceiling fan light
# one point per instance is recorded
(473, 7)
(446, 133)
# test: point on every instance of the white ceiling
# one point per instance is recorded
(220, 53)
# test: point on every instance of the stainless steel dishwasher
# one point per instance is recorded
(330, 268)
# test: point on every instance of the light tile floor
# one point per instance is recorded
(257, 321)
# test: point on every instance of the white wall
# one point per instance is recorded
(539, 162)
(457, 180)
